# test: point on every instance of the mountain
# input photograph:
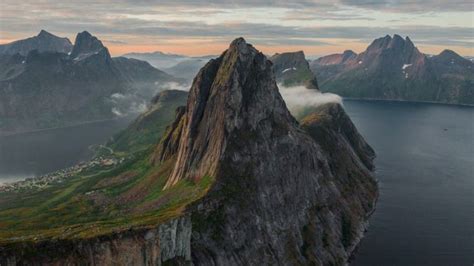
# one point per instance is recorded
(235, 180)
(43, 42)
(158, 59)
(51, 89)
(188, 68)
(292, 69)
(180, 66)
(392, 68)
(167, 61)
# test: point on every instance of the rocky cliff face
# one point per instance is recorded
(280, 197)
(292, 69)
(393, 68)
(43, 42)
(167, 243)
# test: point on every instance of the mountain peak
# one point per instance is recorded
(292, 69)
(396, 42)
(43, 42)
(230, 93)
(241, 47)
(44, 33)
(449, 54)
(238, 42)
(86, 44)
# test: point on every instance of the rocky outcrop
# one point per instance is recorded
(43, 42)
(167, 243)
(292, 69)
(392, 68)
(280, 197)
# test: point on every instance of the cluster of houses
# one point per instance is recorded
(58, 176)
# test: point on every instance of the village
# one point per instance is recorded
(43, 181)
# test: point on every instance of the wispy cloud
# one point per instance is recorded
(300, 23)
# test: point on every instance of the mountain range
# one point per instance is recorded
(234, 180)
(44, 83)
(392, 68)
(181, 66)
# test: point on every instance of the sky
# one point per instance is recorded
(194, 27)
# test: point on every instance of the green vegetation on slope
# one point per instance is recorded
(92, 204)
(148, 128)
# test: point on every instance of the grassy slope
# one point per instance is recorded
(148, 128)
(103, 199)
(97, 202)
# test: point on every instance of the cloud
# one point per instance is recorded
(411, 6)
(262, 22)
(175, 86)
(299, 97)
(127, 104)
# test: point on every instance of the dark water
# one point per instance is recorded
(425, 214)
(425, 166)
(37, 153)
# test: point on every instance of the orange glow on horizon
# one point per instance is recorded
(192, 47)
(201, 49)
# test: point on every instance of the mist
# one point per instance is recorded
(299, 97)
(176, 86)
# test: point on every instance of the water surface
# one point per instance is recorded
(36, 153)
(425, 213)
(425, 166)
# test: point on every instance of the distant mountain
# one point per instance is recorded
(51, 89)
(393, 68)
(158, 59)
(43, 42)
(180, 66)
(292, 69)
(187, 69)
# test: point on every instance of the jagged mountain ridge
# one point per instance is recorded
(43, 42)
(72, 88)
(235, 180)
(393, 68)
